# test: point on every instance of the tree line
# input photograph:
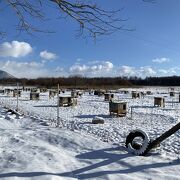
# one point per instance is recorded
(70, 82)
(95, 82)
(156, 81)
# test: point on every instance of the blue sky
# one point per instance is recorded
(152, 49)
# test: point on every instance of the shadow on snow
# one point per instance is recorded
(108, 156)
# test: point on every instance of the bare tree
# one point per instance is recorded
(93, 20)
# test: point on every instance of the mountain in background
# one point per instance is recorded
(5, 75)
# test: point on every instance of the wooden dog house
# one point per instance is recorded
(118, 108)
(108, 97)
(80, 93)
(34, 90)
(67, 101)
(172, 93)
(8, 91)
(125, 92)
(43, 90)
(2, 91)
(159, 101)
(16, 93)
(34, 96)
(52, 93)
(99, 92)
(143, 93)
(149, 93)
(74, 94)
(135, 94)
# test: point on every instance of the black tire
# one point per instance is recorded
(136, 148)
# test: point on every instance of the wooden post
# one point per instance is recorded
(131, 112)
(17, 106)
(58, 107)
(172, 102)
(161, 138)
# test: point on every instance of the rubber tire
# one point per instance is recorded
(130, 138)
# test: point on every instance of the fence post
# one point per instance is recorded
(17, 106)
(58, 107)
(172, 103)
(131, 112)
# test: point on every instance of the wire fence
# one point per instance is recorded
(153, 120)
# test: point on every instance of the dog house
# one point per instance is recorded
(142, 94)
(172, 93)
(159, 101)
(108, 97)
(74, 94)
(118, 108)
(52, 93)
(99, 92)
(80, 93)
(16, 93)
(135, 94)
(43, 90)
(34, 90)
(149, 93)
(96, 92)
(125, 92)
(27, 89)
(2, 91)
(171, 89)
(67, 101)
(90, 92)
(34, 96)
(8, 91)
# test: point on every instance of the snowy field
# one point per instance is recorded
(31, 146)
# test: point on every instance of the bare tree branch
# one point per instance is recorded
(23, 9)
(93, 20)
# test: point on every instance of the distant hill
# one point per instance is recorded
(5, 75)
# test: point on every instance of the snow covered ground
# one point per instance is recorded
(31, 147)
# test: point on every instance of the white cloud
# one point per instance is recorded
(98, 68)
(161, 60)
(35, 69)
(15, 49)
(146, 71)
(102, 67)
(79, 68)
(24, 69)
(127, 71)
(163, 71)
(30, 69)
(140, 72)
(170, 71)
(47, 55)
(106, 68)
